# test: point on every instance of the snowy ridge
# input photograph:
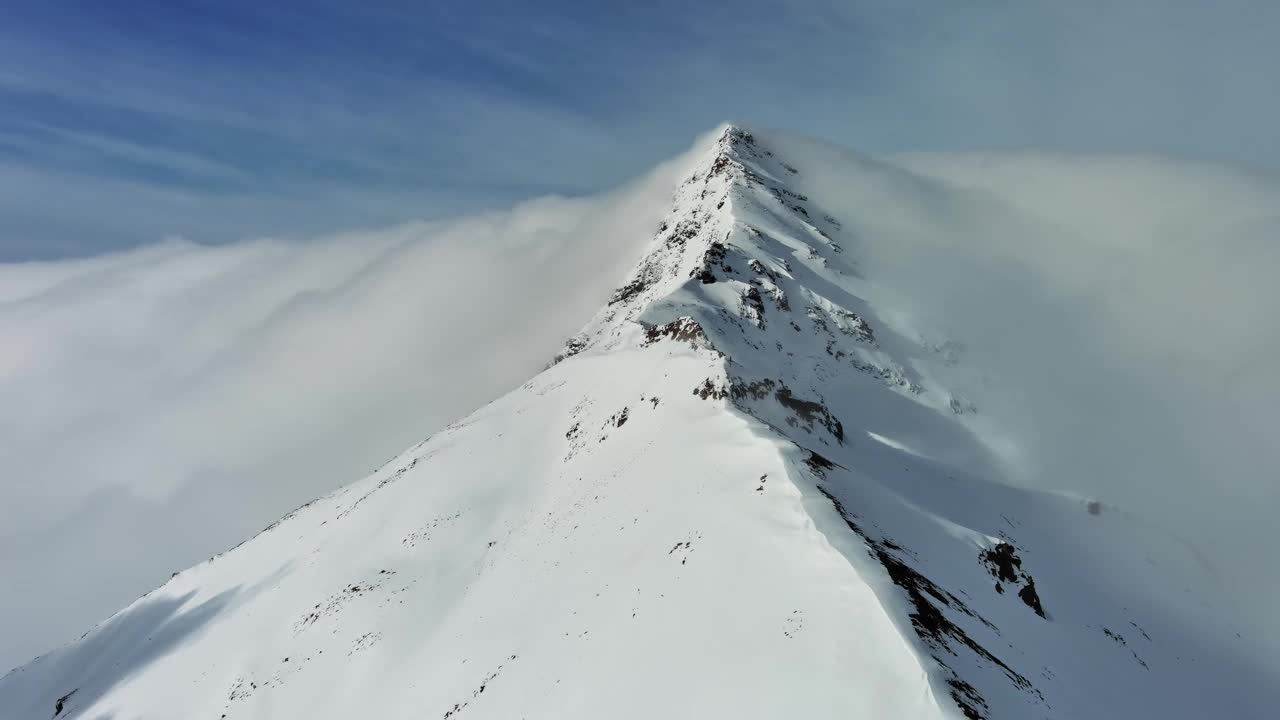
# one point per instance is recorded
(741, 491)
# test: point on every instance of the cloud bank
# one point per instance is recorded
(162, 404)
(1118, 319)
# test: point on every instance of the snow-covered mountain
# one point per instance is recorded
(744, 490)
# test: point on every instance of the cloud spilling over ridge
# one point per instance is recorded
(162, 404)
(1117, 314)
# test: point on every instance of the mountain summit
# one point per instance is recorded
(744, 490)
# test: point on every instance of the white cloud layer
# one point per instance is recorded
(1118, 312)
(162, 404)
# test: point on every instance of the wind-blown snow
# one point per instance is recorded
(706, 507)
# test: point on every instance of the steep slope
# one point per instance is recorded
(742, 491)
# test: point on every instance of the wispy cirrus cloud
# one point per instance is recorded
(426, 110)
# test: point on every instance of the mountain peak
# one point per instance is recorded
(733, 148)
(713, 234)
(733, 139)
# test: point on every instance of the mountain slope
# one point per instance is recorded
(742, 491)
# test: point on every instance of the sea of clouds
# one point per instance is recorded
(162, 404)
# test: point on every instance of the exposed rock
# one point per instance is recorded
(1005, 566)
(752, 307)
(810, 412)
(684, 329)
(931, 623)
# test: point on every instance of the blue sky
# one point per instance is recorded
(129, 121)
